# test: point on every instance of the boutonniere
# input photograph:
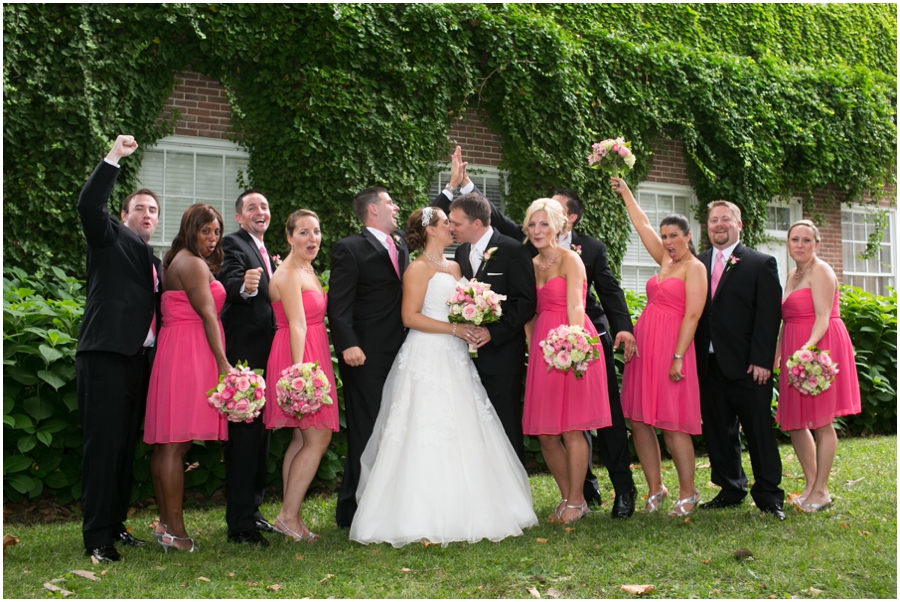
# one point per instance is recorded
(276, 259)
(396, 239)
(731, 262)
(488, 255)
(577, 249)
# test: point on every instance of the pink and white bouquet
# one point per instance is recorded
(811, 370)
(570, 348)
(302, 389)
(612, 156)
(240, 394)
(475, 303)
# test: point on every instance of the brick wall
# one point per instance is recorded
(205, 111)
(668, 164)
(480, 146)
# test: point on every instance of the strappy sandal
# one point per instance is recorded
(584, 510)
(556, 516)
(171, 543)
(655, 500)
(310, 537)
(678, 509)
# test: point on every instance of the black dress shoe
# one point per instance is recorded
(130, 540)
(592, 497)
(720, 502)
(107, 553)
(251, 538)
(623, 507)
(774, 509)
(264, 525)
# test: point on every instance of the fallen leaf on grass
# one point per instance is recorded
(815, 591)
(687, 520)
(103, 572)
(853, 482)
(9, 540)
(26, 571)
(405, 570)
(707, 561)
(533, 591)
(231, 574)
(554, 593)
(717, 592)
(638, 589)
(203, 579)
(569, 529)
(300, 556)
(274, 587)
(742, 553)
(87, 575)
(326, 578)
(542, 540)
(865, 532)
(704, 465)
(58, 580)
(251, 583)
(845, 525)
(788, 457)
(55, 589)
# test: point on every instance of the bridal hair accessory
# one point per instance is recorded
(427, 214)
(240, 394)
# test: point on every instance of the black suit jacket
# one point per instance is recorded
(121, 294)
(249, 323)
(365, 295)
(510, 272)
(610, 313)
(743, 318)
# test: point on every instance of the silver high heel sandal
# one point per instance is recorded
(679, 510)
(159, 536)
(556, 515)
(655, 500)
(310, 537)
(171, 543)
(584, 510)
(813, 508)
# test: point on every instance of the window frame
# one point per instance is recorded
(881, 276)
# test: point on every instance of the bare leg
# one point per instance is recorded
(555, 456)
(576, 451)
(303, 469)
(826, 448)
(682, 449)
(289, 454)
(647, 446)
(805, 448)
(155, 458)
(171, 479)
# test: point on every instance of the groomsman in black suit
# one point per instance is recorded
(735, 344)
(505, 264)
(115, 345)
(249, 325)
(611, 318)
(364, 300)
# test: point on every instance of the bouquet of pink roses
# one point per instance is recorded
(811, 370)
(612, 156)
(570, 348)
(475, 303)
(240, 394)
(303, 389)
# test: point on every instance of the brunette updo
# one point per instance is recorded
(682, 223)
(291, 222)
(416, 236)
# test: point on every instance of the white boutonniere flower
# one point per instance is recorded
(488, 255)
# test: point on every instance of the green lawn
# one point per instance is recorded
(849, 551)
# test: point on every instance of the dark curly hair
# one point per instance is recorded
(415, 231)
(194, 218)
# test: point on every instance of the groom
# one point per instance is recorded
(505, 264)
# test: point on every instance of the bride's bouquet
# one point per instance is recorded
(303, 389)
(570, 348)
(240, 394)
(811, 370)
(612, 156)
(475, 303)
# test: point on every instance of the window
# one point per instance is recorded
(657, 201)
(780, 214)
(183, 170)
(876, 274)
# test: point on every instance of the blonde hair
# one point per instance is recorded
(554, 212)
(808, 224)
(735, 210)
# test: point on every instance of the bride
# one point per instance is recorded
(438, 466)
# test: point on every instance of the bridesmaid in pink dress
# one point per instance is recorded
(298, 301)
(558, 406)
(659, 386)
(190, 357)
(811, 315)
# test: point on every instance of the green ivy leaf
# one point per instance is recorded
(50, 354)
(51, 378)
(44, 437)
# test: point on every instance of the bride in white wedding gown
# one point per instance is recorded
(438, 466)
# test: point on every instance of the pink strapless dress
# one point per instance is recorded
(648, 394)
(315, 350)
(184, 369)
(799, 411)
(555, 401)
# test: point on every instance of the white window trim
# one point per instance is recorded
(795, 204)
(472, 170)
(892, 222)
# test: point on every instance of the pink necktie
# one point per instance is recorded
(155, 280)
(265, 256)
(718, 268)
(392, 251)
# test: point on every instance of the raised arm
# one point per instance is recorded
(93, 202)
(639, 219)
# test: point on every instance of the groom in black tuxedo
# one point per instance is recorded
(115, 347)
(735, 344)
(364, 300)
(249, 325)
(505, 264)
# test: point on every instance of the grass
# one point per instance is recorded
(849, 551)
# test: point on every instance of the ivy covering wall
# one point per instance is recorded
(768, 99)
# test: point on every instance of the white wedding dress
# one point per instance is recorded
(439, 467)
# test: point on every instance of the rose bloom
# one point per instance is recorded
(258, 393)
(227, 393)
(242, 383)
(230, 405)
(469, 312)
(298, 383)
(563, 359)
(241, 407)
(804, 355)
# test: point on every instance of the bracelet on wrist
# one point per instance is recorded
(677, 357)
(453, 332)
(627, 205)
